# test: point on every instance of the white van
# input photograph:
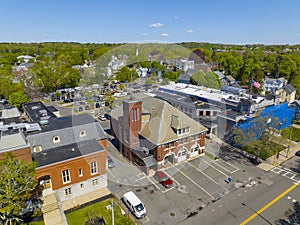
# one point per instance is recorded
(134, 204)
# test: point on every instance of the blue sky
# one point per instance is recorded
(98, 21)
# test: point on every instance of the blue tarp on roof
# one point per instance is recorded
(282, 112)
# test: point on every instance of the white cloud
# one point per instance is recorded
(175, 17)
(156, 25)
(145, 34)
(189, 31)
(164, 35)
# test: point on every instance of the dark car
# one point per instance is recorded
(162, 178)
(297, 153)
(110, 162)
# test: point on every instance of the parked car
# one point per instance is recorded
(134, 204)
(101, 117)
(110, 162)
(162, 178)
(297, 153)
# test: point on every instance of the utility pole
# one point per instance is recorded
(112, 213)
(289, 146)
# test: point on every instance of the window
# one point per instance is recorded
(94, 168)
(66, 176)
(138, 113)
(80, 172)
(37, 148)
(82, 133)
(182, 152)
(68, 191)
(56, 139)
(95, 182)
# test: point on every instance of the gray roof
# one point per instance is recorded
(67, 152)
(68, 129)
(289, 88)
(12, 140)
(10, 112)
(220, 75)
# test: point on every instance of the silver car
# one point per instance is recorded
(110, 162)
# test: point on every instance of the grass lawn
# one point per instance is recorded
(80, 216)
(267, 152)
(295, 133)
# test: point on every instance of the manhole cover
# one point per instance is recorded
(172, 214)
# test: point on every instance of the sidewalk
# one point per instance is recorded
(271, 162)
(53, 211)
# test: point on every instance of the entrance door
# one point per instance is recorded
(182, 154)
(169, 158)
(45, 183)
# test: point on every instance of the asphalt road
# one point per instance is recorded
(199, 184)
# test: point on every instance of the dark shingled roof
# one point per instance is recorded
(66, 152)
(289, 89)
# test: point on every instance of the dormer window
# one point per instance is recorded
(184, 130)
(56, 139)
(82, 133)
(37, 148)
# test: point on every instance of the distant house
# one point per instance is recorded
(186, 76)
(142, 72)
(228, 80)
(287, 93)
(184, 64)
(273, 85)
(153, 134)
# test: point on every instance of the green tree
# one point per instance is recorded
(255, 138)
(231, 63)
(171, 75)
(18, 99)
(284, 66)
(126, 74)
(16, 185)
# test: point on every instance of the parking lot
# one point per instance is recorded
(197, 183)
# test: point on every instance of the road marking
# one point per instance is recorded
(196, 184)
(203, 173)
(154, 184)
(147, 219)
(173, 179)
(229, 171)
(216, 169)
(269, 204)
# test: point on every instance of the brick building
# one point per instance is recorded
(153, 134)
(70, 152)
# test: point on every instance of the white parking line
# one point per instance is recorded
(203, 173)
(147, 219)
(215, 168)
(196, 184)
(173, 179)
(155, 184)
(229, 171)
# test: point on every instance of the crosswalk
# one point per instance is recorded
(286, 172)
